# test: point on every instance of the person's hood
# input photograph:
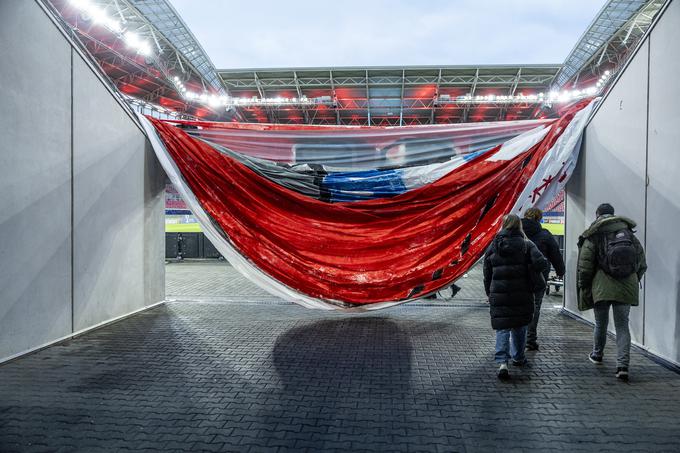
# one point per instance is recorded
(531, 227)
(606, 223)
(510, 242)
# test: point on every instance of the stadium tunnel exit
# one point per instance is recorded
(87, 136)
(83, 244)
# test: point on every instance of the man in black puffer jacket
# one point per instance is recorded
(513, 268)
(546, 243)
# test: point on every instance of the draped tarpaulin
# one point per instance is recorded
(384, 248)
(356, 147)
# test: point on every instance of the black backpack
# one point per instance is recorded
(618, 257)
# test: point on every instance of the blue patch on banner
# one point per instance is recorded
(363, 185)
(468, 157)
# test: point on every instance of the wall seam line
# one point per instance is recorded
(644, 287)
(565, 281)
(72, 209)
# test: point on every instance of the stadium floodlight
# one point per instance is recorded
(214, 101)
(98, 15)
(229, 102)
(522, 98)
(101, 17)
(133, 40)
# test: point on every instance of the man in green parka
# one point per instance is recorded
(611, 263)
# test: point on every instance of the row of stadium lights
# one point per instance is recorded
(538, 98)
(99, 16)
(230, 102)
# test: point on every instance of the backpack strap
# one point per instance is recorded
(601, 237)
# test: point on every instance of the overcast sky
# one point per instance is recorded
(269, 33)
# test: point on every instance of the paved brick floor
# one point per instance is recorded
(240, 376)
(210, 279)
(217, 280)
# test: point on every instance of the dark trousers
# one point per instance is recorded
(533, 325)
(621, 314)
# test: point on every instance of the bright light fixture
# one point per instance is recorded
(538, 98)
(100, 16)
(133, 40)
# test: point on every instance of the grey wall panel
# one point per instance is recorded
(154, 227)
(613, 165)
(116, 246)
(35, 172)
(113, 183)
(575, 219)
(662, 315)
(610, 158)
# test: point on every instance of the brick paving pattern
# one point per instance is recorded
(239, 376)
(211, 279)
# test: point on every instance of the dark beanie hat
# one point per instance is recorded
(604, 208)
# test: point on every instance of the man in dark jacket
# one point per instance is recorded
(546, 243)
(611, 263)
(513, 268)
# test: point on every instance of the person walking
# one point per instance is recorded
(611, 263)
(546, 243)
(513, 269)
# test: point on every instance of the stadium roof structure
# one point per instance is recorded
(430, 95)
(608, 41)
(146, 50)
(387, 95)
(152, 57)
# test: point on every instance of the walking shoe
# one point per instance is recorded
(533, 346)
(503, 373)
(520, 363)
(622, 373)
(595, 359)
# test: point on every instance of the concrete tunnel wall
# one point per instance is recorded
(81, 192)
(631, 158)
